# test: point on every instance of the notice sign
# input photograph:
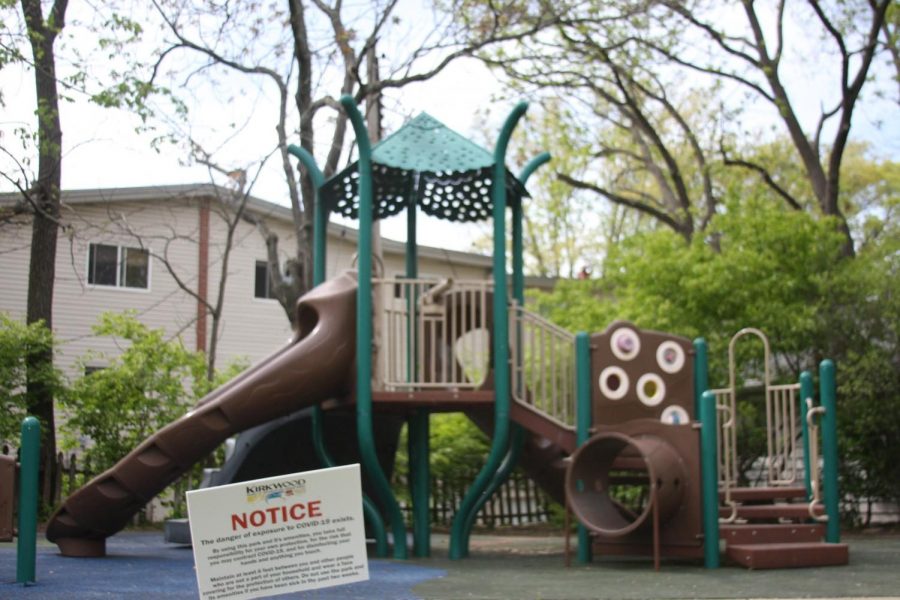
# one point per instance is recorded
(280, 534)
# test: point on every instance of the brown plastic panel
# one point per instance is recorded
(679, 386)
(7, 496)
(316, 365)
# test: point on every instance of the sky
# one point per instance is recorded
(102, 149)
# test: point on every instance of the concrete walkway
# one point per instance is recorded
(141, 565)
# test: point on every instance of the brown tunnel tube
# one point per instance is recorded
(315, 366)
(598, 463)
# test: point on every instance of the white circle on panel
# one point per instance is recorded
(625, 343)
(675, 415)
(614, 383)
(670, 357)
(650, 389)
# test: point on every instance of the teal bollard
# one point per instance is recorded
(584, 420)
(710, 475)
(26, 550)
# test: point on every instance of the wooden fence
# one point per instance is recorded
(519, 501)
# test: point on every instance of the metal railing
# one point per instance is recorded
(543, 366)
(815, 479)
(780, 462)
(435, 333)
(726, 425)
(781, 433)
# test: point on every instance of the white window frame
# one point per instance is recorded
(119, 263)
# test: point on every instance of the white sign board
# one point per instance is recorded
(280, 534)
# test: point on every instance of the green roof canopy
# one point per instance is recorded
(448, 176)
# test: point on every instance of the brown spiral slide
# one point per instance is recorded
(314, 366)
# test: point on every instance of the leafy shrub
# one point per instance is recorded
(17, 342)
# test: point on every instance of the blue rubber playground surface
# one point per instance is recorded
(141, 565)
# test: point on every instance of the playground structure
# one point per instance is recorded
(608, 423)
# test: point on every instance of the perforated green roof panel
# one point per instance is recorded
(448, 175)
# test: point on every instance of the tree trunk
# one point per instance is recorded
(45, 200)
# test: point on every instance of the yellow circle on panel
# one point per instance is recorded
(651, 390)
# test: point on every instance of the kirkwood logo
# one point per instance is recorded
(272, 491)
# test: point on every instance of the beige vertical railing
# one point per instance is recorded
(436, 333)
(543, 366)
(781, 423)
(726, 421)
(781, 433)
(815, 481)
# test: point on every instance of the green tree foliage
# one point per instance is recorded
(458, 450)
(861, 328)
(768, 272)
(151, 383)
(17, 342)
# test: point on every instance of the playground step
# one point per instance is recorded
(753, 494)
(770, 533)
(770, 512)
(786, 556)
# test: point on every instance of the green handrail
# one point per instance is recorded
(320, 223)
(583, 422)
(364, 333)
(807, 390)
(709, 465)
(29, 459)
(828, 399)
(459, 535)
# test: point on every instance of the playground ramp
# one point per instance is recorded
(318, 362)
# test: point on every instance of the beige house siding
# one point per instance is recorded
(167, 222)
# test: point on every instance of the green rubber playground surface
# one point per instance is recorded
(141, 566)
(529, 567)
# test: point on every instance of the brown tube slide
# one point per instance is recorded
(315, 366)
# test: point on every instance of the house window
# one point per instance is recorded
(118, 266)
(263, 287)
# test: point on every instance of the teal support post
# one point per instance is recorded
(831, 495)
(701, 372)
(320, 223)
(518, 252)
(532, 165)
(517, 434)
(807, 390)
(320, 219)
(516, 441)
(459, 534)
(417, 425)
(418, 431)
(583, 422)
(709, 466)
(364, 426)
(29, 459)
